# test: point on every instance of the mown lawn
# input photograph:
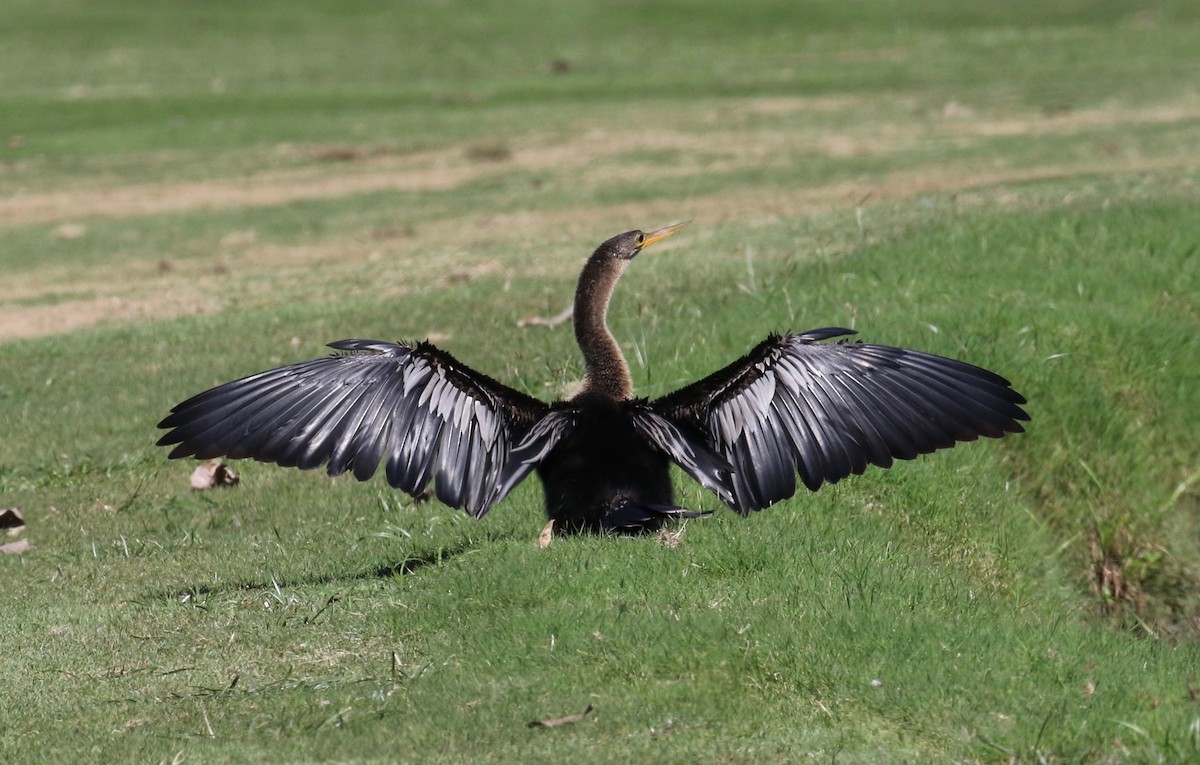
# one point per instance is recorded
(193, 192)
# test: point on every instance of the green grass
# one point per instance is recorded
(1010, 184)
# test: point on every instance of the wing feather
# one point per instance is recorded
(828, 410)
(690, 450)
(535, 447)
(415, 408)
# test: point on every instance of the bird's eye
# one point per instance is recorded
(641, 239)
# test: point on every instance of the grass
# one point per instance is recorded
(189, 194)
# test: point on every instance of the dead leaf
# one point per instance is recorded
(12, 519)
(554, 722)
(12, 548)
(213, 473)
(543, 540)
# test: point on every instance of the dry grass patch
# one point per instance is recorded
(138, 290)
(55, 299)
(347, 170)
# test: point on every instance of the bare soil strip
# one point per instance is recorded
(54, 299)
(446, 169)
(136, 292)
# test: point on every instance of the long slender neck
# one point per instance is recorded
(606, 373)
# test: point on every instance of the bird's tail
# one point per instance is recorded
(630, 517)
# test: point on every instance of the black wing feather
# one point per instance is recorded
(827, 411)
(415, 408)
(689, 450)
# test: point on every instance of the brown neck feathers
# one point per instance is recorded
(607, 373)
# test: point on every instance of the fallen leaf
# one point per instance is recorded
(554, 722)
(12, 548)
(213, 473)
(12, 519)
(543, 540)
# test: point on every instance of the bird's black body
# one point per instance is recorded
(793, 405)
(605, 476)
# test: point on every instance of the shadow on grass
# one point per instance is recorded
(406, 567)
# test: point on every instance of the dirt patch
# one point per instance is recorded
(56, 299)
(594, 153)
(427, 173)
(81, 314)
(136, 292)
(1068, 123)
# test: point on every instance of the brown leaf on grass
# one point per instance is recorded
(13, 519)
(543, 540)
(213, 473)
(554, 722)
(12, 548)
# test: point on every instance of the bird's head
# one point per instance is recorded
(626, 246)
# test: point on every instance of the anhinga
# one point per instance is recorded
(791, 405)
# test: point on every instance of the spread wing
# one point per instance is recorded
(417, 409)
(828, 410)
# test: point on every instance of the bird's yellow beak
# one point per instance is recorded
(662, 233)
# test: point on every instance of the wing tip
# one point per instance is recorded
(823, 333)
(366, 346)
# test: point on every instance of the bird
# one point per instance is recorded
(794, 406)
